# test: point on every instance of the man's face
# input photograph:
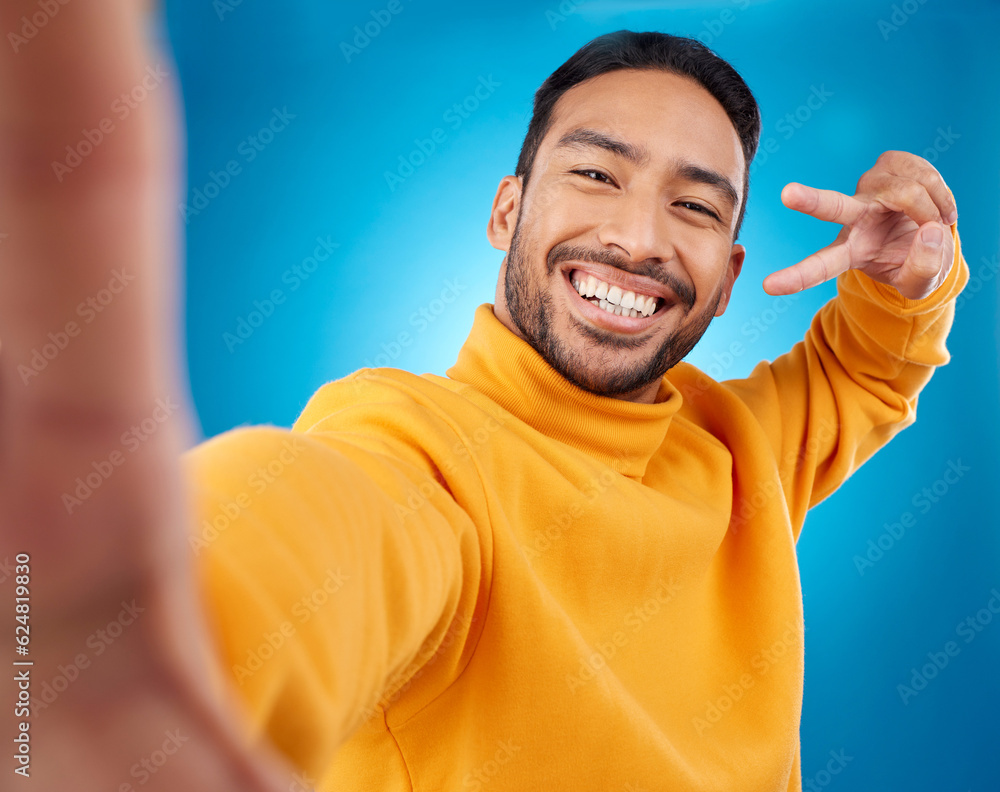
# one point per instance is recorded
(634, 194)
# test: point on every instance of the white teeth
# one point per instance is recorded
(617, 310)
(613, 299)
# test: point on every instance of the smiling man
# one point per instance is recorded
(637, 175)
(567, 564)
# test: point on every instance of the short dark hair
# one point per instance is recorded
(625, 49)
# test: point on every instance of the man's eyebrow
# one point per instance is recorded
(638, 155)
(710, 178)
(583, 138)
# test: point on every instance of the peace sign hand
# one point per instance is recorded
(894, 229)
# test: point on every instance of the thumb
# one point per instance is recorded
(924, 268)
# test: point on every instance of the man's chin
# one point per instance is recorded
(614, 390)
(613, 380)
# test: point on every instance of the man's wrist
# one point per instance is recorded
(948, 290)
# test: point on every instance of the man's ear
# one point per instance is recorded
(732, 273)
(503, 216)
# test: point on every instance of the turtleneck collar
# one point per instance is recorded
(508, 370)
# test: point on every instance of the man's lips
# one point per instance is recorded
(626, 282)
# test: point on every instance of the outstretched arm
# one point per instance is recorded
(852, 383)
(114, 632)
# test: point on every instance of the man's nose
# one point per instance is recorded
(637, 224)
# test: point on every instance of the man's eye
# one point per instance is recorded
(699, 208)
(601, 176)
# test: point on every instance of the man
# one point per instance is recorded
(568, 564)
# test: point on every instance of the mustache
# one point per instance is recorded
(565, 252)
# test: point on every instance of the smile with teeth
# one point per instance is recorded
(612, 298)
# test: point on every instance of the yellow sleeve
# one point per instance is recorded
(331, 563)
(852, 383)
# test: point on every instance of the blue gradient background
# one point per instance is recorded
(324, 175)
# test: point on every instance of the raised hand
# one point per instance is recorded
(895, 229)
(93, 521)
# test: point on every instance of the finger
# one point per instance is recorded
(821, 266)
(79, 190)
(86, 294)
(904, 194)
(829, 205)
(89, 381)
(907, 165)
(925, 267)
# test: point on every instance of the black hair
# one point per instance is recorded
(625, 49)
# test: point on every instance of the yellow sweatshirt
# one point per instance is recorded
(494, 580)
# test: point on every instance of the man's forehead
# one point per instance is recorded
(652, 112)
